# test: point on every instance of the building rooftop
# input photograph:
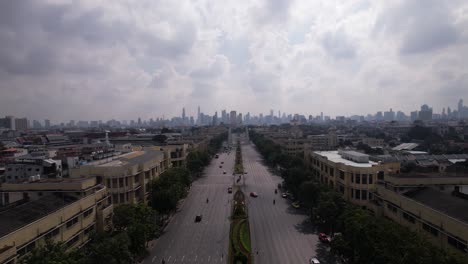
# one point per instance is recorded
(406, 146)
(131, 158)
(21, 215)
(443, 202)
(334, 156)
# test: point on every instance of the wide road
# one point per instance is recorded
(185, 241)
(280, 233)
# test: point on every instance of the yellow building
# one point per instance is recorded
(429, 203)
(349, 172)
(127, 176)
(64, 210)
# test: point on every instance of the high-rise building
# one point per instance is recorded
(389, 116)
(198, 116)
(8, 122)
(36, 124)
(233, 118)
(47, 123)
(426, 113)
(183, 113)
(21, 124)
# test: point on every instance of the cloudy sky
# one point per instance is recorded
(123, 59)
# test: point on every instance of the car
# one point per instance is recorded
(198, 218)
(296, 205)
(314, 260)
(222, 162)
(230, 190)
(253, 194)
(224, 172)
(284, 195)
(279, 185)
(220, 166)
(324, 238)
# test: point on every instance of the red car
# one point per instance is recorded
(324, 238)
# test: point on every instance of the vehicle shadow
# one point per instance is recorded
(306, 227)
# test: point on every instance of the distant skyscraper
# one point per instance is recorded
(47, 123)
(426, 113)
(139, 121)
(21, 124)
(233, 118)
(183, 113)
(198, 115)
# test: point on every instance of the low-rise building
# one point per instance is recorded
(127, 176)
(63, 210)
(349, 172)
(430, 203)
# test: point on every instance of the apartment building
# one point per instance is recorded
(127, 176)
(349, 172)
(64, 210)
(432, 204)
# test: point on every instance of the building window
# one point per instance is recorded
(380, 175)
(88, 230)
(392, 208)
(332, 172)
(358, 178)
(430, 229)
(53, 233)
(341, 174)
(72, 222)
(371, 196)
(370, 178)
(357, 194)
(364, 179)
(364, 195)
(457, 243)
(88, 212)
(409, 218)
(352, 177)
(72, 241)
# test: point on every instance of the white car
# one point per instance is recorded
(314, 261)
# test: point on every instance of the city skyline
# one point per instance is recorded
(456, 111)
(101, 61)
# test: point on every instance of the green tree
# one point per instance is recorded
(52, 253)
(330, 206)
(309, 193)
(109, 249)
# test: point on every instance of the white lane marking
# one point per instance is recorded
(152, 260)
(169, 259)
(196, 257)
(182, 258)
(209, 257)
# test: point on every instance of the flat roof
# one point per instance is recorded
(131, 158)
(22, 215)
(406, 146)
(443, 202)
(335, 157)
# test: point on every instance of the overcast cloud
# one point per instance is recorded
(124, 59)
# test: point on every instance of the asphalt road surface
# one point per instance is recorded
(280, 233)
(185, 241)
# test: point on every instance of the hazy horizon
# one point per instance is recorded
(99, 60)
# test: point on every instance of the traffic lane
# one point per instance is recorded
(187, 241)
(275, 230)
